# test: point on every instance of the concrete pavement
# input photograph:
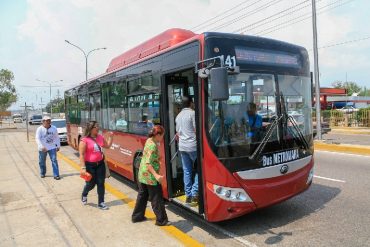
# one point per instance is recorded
(45, 212)
(346, 140)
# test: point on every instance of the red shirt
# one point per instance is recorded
(93, 152)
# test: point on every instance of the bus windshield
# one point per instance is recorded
(253, 114)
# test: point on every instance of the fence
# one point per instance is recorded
(350, 119)
(336, 118)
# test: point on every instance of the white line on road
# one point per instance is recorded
(233, 236)
(330, 179)
(331, 152)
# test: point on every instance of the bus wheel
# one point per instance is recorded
(137, 161)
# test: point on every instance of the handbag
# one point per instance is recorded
(107, 172)
(87, 176)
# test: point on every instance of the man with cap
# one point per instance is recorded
(48, 142)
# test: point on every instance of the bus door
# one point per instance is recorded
(176, 86)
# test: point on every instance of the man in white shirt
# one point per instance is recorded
(185, 128)
(48, 142)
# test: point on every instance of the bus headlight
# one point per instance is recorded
(231, 194)
(310, 177)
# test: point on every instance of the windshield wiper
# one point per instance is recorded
(266, 138)
(298, 132)
(298, 135)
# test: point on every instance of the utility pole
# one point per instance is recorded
(316, 65)
(26, 110)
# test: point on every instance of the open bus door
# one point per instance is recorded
(177, 85)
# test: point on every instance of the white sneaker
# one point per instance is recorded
(102, 206)
(84, 200)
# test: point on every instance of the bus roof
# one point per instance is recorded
(165, 40)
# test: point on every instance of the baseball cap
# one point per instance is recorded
(46, 118)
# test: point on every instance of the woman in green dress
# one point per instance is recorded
(150, 180)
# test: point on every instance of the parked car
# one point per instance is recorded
(348, 109)
(17, 118)
(60, 124)
(325, 128)
(35, 119)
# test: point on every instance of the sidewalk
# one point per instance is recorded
(351, 130)
(346, 140)
(7, 125)
(45, 212)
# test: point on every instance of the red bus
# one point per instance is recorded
(241, 167)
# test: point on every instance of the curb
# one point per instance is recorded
(342, 148)
(175, 232)
(354, 132)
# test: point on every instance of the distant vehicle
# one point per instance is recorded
(60, 124)
(35, 119)
(266, 113)
(348, 109)
(325, 128)
(17, 118)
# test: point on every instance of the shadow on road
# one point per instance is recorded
(263, 221)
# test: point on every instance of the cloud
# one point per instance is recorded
(121, 24)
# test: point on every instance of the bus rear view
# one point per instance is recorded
(258, 146)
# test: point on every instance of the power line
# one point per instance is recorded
(248, 14)
(344, 42)
(240, 10)
(195, 27)
(304, 17)
(267, 18)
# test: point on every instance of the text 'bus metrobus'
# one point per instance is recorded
(242, 166)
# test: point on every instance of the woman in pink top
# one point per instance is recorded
(92, 161)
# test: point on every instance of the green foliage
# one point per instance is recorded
(58, 106)
(351, 87)
(365, 92)
(363, 110)
(8, 94)
(326, 114)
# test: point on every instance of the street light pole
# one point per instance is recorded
(316, 65)
(85, 54)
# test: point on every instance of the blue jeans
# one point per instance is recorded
(188, 159)
(97, 171)
(54, 162)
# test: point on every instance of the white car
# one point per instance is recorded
(60, 124)
(348, 109)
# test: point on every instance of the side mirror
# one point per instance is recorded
(219, 84)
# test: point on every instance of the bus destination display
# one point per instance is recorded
(265, 57)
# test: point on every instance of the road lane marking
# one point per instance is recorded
(171, 230)
(349, 154)
(330, 179)
(233, 236)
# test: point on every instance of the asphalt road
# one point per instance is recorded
(333, 212)
(339, 138)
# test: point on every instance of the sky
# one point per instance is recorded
(33, 34)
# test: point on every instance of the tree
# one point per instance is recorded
(8, 94)
(350, 86)
(58, 105)
(365, 92)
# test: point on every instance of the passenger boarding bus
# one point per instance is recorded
(242, 166)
